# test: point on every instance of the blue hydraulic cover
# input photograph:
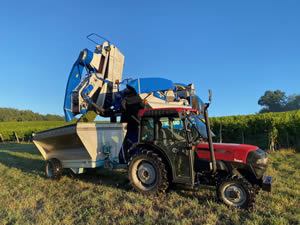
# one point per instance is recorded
(84, 58)
(148, 85)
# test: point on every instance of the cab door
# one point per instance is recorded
(172, 137)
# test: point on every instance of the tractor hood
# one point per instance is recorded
(228, 152)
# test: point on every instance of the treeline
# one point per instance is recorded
(277, 101)
(10, 114)
(267, 130)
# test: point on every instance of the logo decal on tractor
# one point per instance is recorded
(237, 160)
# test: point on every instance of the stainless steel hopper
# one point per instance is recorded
(82, 145)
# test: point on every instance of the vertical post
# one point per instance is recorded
(16, 136)
(271, 145)
(271, 142)
(243, 138)
(2, 139)
(287, 139)
(221, 133)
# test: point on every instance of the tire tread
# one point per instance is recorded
(250, 189)
(163, 184)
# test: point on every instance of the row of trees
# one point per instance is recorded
(9, 114)
(277, 101)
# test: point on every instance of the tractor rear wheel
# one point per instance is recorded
(147, 173)
(237, 192)
(53, 169)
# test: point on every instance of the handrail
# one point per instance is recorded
(88, 37)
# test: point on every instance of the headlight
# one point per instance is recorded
(258, 161)
(262, 161)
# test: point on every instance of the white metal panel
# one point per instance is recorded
(155, 102)
(96, 136)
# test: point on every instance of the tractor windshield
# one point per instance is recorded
(199, 125)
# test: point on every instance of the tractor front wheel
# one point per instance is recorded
(236, 192)
(147, 173)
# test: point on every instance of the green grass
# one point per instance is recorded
(104, 197)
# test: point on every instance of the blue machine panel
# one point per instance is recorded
(84, 58)
(147, 85)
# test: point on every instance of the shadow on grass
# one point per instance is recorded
(202, 192)
(11, 156)
(101, 176)
(21, 148)
(27, 165)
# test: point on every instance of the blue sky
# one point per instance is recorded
(239, 49)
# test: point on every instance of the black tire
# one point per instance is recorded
(53, 169)
(147, 173)
(237, 192)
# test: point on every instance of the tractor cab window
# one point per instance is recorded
(147, 131)
(170, 129)
(193, 130)
(197, 127)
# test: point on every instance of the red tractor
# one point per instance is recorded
(175, 146)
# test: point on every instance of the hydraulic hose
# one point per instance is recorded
(98, 108)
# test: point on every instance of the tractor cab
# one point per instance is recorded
(173, 133)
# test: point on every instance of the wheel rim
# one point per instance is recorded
(144, 175)
(49, 170)
(235, 195)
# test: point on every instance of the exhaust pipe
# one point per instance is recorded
(210, 143)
